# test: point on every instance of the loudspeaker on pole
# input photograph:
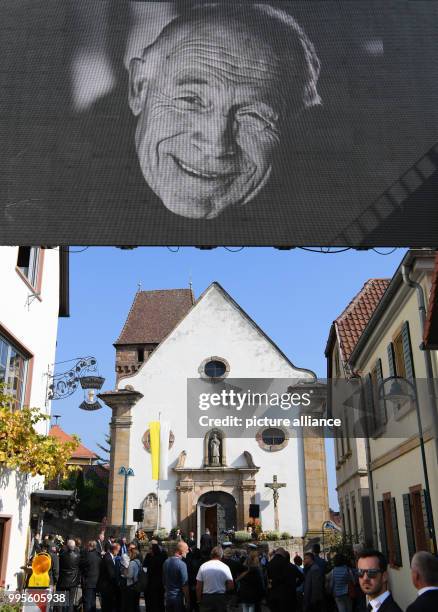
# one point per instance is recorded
(138, 515)
(254, 510)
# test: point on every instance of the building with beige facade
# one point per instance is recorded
(398, 396)
(351, 467)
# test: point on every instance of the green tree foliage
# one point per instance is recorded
(23, 449)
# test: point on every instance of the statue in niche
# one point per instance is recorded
(151, 501)
(181, 459)
(214, 447)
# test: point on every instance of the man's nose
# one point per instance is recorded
(214, 135)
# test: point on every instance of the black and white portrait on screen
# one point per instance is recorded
(211, 95)
(280, 123)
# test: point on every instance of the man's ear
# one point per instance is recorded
(138, 85)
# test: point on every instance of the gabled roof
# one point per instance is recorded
(154, 314)
(431, 326)
(350, 325)
(308, 374)
(82, 452)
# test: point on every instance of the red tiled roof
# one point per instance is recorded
(351, 323)
(82, 452)
(431, 326)
(154, 314)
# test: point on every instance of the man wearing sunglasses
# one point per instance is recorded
(373, 580)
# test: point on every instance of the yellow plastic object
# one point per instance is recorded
(41, 564)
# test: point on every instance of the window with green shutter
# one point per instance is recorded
(390, 526)
(408, 524)
(396, 557)
(391, 360)
(383, 415)
(408, 357)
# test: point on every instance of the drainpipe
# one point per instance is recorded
(427, 358)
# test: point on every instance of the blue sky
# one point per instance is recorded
(292, 295)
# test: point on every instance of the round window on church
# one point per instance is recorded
(214, 368)
(272, 439)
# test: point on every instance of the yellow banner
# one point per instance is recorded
(154, 433)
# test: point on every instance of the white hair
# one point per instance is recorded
(71, 544)
(311, 96)
(426, 565)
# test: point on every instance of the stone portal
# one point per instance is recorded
(218, 485)
(217, 511)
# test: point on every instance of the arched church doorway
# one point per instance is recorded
(216, 510)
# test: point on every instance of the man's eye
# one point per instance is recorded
(255, 118)
(192, 100)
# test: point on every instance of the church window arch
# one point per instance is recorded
(215, 448)
(272, 439)
(214, 368)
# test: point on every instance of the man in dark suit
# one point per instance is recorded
(284, 578)
(372, 571)
(50, 548)
(100, 544)
(109, 542)
(90, 569)
(108, 583)
(69, 573)
(191, 540)
(314, 594)
(123, 546)
(206, 543)
(424, 572)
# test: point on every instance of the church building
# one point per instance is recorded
(216, 481)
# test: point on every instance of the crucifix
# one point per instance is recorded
(274, 485)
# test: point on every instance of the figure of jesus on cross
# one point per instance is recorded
(274, 485)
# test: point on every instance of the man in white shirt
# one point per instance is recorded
(372, 571)
(214, 579)
(424, 572)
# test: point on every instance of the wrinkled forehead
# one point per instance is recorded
(221, 52)
(231, 35)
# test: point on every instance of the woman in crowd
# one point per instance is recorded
(250, 585)
(132, 576)
(154, 596)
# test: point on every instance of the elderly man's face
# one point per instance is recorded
(209, 119)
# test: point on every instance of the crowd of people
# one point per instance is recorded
(220, 578)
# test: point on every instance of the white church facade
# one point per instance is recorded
(216, 481)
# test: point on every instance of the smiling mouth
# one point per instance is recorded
(208, 176)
